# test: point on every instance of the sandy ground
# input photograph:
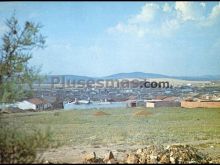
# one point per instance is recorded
(74, 154)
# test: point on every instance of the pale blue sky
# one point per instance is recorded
(103, 38)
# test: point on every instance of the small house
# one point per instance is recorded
(35, 104)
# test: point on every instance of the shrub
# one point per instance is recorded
(18, 146)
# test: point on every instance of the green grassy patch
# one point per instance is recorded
(121, 126)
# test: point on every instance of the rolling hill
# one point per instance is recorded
(143, 75)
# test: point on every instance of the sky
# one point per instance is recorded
(104, 38)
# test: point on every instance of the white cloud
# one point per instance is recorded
(139, 31)
(189, 10)
(143, 23)
(147, 13)
(165, 20)
(212, 18)
(120, 27)
(215, 14)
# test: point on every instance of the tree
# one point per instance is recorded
(16, 76)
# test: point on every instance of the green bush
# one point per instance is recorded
(19, 146)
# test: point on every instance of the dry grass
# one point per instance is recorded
(142, 113)
(122, 126)
(100, 113)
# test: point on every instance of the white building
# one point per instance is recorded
(35, 104)
(24, 105)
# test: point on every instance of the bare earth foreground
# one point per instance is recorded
(122, 130)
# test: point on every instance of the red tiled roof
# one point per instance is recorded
(37, 101)
(160, 97)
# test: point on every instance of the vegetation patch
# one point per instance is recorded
(19, 146)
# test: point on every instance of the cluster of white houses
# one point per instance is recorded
(29, 104)
(160, 101)
(163, 101)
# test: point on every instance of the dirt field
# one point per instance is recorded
(120, 130)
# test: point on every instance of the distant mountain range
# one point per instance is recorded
(153, 75)
(55, 78)
(135, 75)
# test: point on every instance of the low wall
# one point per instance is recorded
(163, 104)
(167, 104)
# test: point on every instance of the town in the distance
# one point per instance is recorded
(58, 92)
